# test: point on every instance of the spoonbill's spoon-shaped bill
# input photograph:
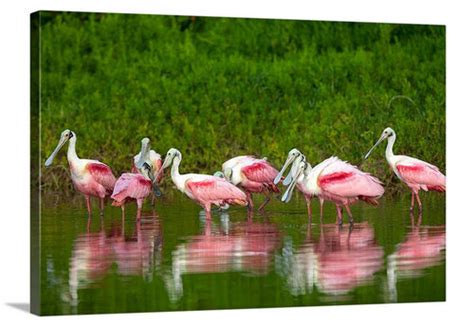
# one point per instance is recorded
(385, 134)
(294, 179)
(144, 152)
(65, 136)
(292, 155)
(145, 168)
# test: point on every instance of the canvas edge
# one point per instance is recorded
(35, 282)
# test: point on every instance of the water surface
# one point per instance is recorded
(176, 260)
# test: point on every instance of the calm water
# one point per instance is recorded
(175, 260)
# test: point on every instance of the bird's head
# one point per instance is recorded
(293, 155)
(66, 135)
(387, 133)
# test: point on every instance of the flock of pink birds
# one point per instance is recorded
(331, 180)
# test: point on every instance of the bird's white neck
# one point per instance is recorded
(389, 149)
(71, 150)
(175, 175)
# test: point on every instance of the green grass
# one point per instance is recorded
(220, 87)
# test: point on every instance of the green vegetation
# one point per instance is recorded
(220, 87)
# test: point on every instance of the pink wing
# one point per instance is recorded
(345, 180)
(102, 174)
(422, 174)
(215, 189)
(260, 171)
(133, 186)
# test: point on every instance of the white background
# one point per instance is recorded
(14, 169)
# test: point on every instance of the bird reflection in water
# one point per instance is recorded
(95, 253)
(342, 259)
(422, 248)
(245, 246)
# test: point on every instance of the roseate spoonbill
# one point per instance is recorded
(253, 175)
(90, 177)
(153, 159)
(415, 173)
(206, 190)
(136, 187)
(332, 180)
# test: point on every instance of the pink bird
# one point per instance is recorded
(131, 187)
(90, 177)
(206, 190)
(253, 175)
(416, 174)
(332, 180)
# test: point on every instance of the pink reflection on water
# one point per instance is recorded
(422, 248)
(341, 260)
(96, 253)
(246, 247)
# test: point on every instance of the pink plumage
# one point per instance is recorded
(252, 175)
(336, 181)
(102, 174)
(259, 174)
(90, 177)
(423, 176)
(344, 183)
(416, 173)
(215, 190)
(129, 187)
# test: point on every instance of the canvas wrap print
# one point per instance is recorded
(187, 163)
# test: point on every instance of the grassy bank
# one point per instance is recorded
(215, 88)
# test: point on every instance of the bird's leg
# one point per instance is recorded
(88, 224)
(139, 209)
(308, 229)
(412, 219)
(262, 206)
(207, 227)
(153, 199)
(123, 212)
(101, 206)
(419, 202)
(308, 207)
(267, 199)
(420, 218)
(349, 213)
(207, 208)
(412, 207)
(321, 205)
(249, 216)
(249, 200)
(88, 204)
(339, 215)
